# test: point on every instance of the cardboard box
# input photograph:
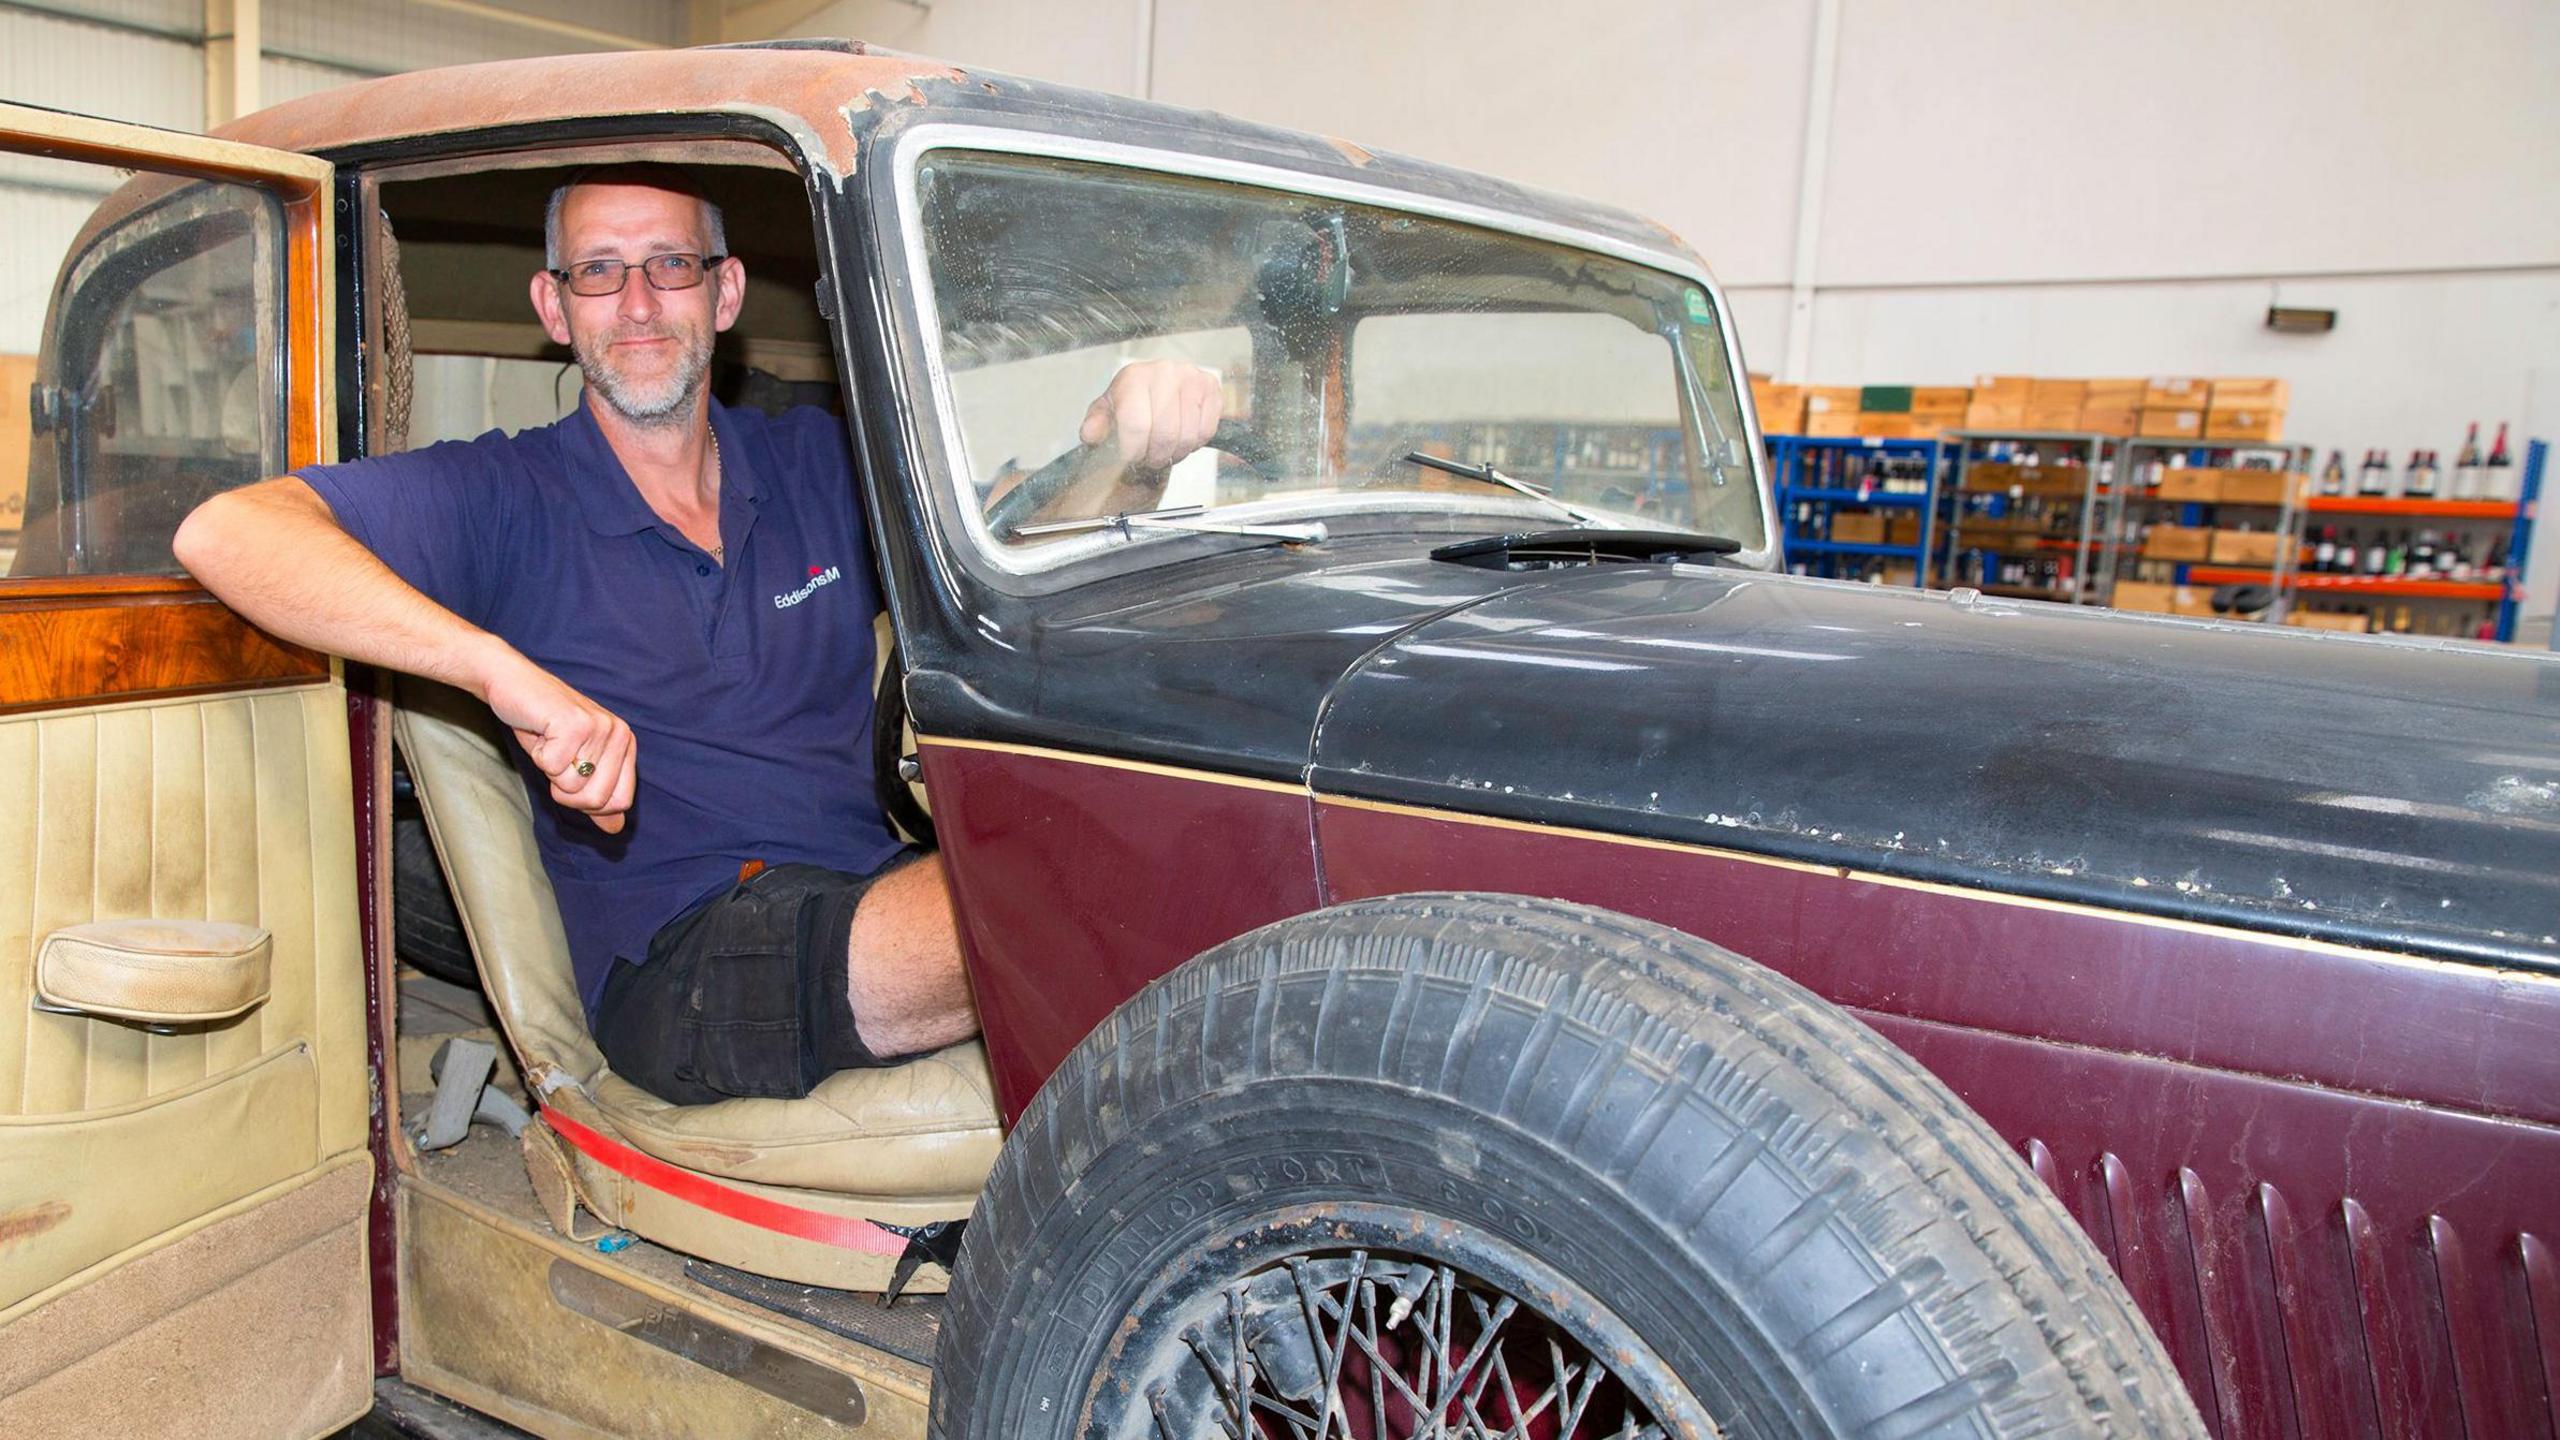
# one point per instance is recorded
(1830, 400)
(2109, 420)
(2352, 623)
(2250, 395)
(2055, 404)
(2176, 392)
(1897, 572)
(1858, 527)
(2244, 425)
(1836, 424)
(2245, 547)
(1781, 407)
(17, 372)
(2191, 485)
(1989, 476)
(2258, 487)
(2152, 597)
(1885, 426)
(1947, 402)
(2171, 424)
(2114, 407)
(1998, 402)
(2177, 542)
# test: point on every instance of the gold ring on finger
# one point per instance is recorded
(584, 768)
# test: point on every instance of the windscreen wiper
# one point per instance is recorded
(1175, 517)
(1486, 474)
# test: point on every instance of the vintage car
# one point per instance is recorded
(1464, 946)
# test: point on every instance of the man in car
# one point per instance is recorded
(658, 574)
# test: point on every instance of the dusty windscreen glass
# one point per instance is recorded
(1342, 337)
(141, 356)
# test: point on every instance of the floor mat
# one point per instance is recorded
(906, 1329)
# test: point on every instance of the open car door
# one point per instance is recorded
(184, 1172)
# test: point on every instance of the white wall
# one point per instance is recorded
(2012, 186)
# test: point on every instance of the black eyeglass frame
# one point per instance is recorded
(623, 269)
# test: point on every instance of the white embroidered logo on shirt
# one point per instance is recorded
(817, 577)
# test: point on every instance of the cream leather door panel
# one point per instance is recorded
(231, 809)
(183, 1090)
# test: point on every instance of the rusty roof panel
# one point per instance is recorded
(808, 92)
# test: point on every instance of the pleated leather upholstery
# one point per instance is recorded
(234, 809)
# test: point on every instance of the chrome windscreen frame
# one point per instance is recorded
(954, 487)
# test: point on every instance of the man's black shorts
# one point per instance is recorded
(746, 994)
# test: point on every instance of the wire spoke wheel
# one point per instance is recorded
(1335, 1342)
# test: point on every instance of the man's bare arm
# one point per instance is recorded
(275, 552)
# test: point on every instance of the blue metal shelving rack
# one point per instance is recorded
(2520, 542)
(1794, 465)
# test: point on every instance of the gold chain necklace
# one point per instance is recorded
(718, 552)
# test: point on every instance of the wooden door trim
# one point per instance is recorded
(83, 648)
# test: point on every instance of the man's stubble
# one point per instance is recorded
(669, 399)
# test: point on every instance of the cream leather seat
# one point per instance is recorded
(789, 1188)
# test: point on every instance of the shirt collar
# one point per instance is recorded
(611, 503)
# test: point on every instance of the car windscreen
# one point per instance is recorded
(1344, 337)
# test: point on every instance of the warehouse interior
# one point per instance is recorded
(1390, 720)
(1889, 197)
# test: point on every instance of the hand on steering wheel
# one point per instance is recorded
(1154, 414)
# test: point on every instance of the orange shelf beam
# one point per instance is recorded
(2414, 509)
(2351, 585)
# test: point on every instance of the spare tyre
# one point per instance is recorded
(1480, 1165)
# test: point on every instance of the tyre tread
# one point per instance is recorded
(1516, 967)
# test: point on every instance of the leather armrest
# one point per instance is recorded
(158, 972)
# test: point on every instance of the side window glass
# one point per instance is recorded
(141, 362)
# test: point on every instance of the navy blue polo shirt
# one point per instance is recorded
(747, 687)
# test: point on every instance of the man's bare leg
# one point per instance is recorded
(910, 991)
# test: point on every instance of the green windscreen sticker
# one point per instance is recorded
(1698, 311)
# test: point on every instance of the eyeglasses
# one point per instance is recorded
(665, 272)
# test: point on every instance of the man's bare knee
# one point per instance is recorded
(910, 990)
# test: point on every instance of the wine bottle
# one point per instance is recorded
(2376, 555)
(2419, 481)
(2326, 554)
(2466, 466)
(2333, 476)
(2498, 476)
(2373, 478)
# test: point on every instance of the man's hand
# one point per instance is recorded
(1154, 413)
(560, 728)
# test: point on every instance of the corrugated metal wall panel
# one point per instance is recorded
(395, 35)
(67, 65)
(101, 69)
(282, 80)
(185, 15)
(41, 225)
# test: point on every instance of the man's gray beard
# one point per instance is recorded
(669, 404)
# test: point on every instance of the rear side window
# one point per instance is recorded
(147, 376)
